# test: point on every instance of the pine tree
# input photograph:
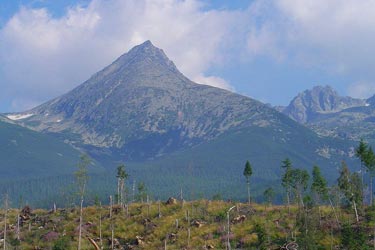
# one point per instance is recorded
(319, 185)
(286, 179)
(319, 189)
(361, 152)
(369, 162)
(269, 194)
(142, 192)
(248, 172)
(122, 175)
(298, 181)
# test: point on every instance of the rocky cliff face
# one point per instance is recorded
(319, 100)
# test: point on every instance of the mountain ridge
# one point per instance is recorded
(319, 100)
(348, 118)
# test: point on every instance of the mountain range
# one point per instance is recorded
(173, 133)
(327, 113)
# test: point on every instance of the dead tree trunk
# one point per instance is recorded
(356, 211)
(5, 220)
(80, 224)
(18, 227)
(111, 219)
(100, 226)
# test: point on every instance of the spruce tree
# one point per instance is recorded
(248, 172)
(122, 175)
(142, 192)
(369, 162)
(269, 194)
(319, 189)
(286, 179)
(361, 152)
(298, 182)
(319, 185)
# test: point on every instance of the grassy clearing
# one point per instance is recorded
(200, 224)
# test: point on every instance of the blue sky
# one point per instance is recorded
(266, 49)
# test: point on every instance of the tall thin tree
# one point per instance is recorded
(299, 181)
(248, 172)
(122, 175)
(286, 179)
(350, 186)
(369, 162)
(6, 204)
(269, 194)
(319, 187)
(360, 152)
(142, 192)
(81, 176)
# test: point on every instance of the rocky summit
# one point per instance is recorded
(320, 100)
(327, 113)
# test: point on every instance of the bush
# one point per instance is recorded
(353, 237)
(61, 244)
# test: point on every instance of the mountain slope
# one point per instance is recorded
(217, 166)
(352, 123)
(28, 154)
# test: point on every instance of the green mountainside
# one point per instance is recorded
(25, 153)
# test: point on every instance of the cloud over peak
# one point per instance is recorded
(42, 56)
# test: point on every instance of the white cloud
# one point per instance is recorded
(42, 56)
(334, 35)
(361, 89)
(213, 81)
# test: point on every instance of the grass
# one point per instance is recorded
(141, 227)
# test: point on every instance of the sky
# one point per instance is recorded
(269, 50)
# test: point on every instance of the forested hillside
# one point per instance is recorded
(313, 215)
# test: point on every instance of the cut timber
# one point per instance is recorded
(93, 243)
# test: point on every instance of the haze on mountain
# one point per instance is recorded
(172, 132)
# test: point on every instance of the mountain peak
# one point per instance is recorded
(371, 100)
(145, 53)
(320, 99)
(321, 88)
(146, 43)
(146, 47)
